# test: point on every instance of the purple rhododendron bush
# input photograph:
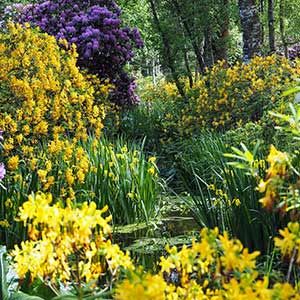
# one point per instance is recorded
(95, 27)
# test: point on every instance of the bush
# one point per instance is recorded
(104, 47)
(43, 94)
(214, 267)
(221, 196)
(222, 99)
(225, 98)
(9, 11)
(279, 186)
(69, 245)
(117, 175)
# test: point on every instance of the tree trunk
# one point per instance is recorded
(251, 28)
(220, 44)
(282, 27)
(208, 47)
(262, 11)
(188, 69)
(167, 50)
(196, 47)
(271, 24)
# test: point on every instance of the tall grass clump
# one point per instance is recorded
(124, 179)
(223, 196)
(115, 174)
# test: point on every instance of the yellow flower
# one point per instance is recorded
(262, 186)
(8, 203)
(42, 175)
(130, 195)
(278, 162)
(69, 176)
(48, 165)
(289, 241)
(41, 128)
(57, 234)
(166, 265)
(80, 176)
(152, 170)
(236, 201)
(13, 163)
(152, 159)
(49, 182)
(33, 163)
(53, 95)
(4, 223)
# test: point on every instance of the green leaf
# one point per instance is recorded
(291, 91)
(238, 165)
(23, 296)
(65, 297)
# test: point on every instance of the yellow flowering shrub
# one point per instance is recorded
(67, 243)
(280, 186)
(43, 93)
(275, 178)
(215, 267)
(118, 175)
(142, 286)
(161, 90)
(223, 98)
(289, 242)
(281, 192)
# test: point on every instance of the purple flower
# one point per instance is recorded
(2, 171)
(103, 45)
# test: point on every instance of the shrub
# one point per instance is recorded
(222, 196)
(9, 11)
(222, 99)
(280, 186)
(43, 94)
(117, 175)
(104, 47)
(214, 267)
(68, 245)
(2, 166)
(225, 98)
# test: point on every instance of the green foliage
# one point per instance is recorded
(23, 296)
(116, 174)
(220, 195)
(135, 13)
(235, 100)
(124, 180)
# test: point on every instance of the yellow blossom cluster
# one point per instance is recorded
(162, 89)
(215, 268)
(66, 243)
(236, 95)
(43, 93)
(222, 98)
(222, 197)
(58, 166)
(289, 242)
(276, 175)
(97, 170)
(199, 259)
(142, 286)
